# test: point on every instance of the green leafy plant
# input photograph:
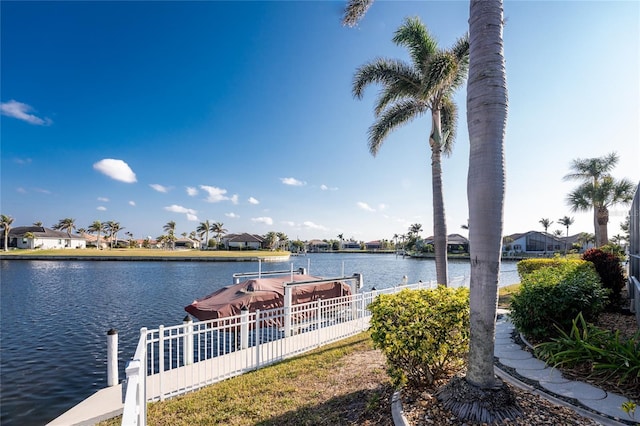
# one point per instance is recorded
(553, 296)
(527, 266)
(605, 352)
(424, 334)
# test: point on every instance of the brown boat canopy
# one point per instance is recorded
(263, 294)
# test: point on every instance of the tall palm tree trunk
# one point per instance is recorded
(602, 219)
(486, 119)
(439, 222)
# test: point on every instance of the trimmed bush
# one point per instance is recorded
(610, 271)
(527, 266)
(554, 296)
(424, 334)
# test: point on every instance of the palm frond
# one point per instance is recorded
(449, 121)
(396, 115)
(414, 36)
(581, 198)
(354, 11)
(401, 89)
(384, 71)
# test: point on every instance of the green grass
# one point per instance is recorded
(505, 294)
(291, 392)
(142, 252)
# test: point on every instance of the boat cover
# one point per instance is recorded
(263, 294)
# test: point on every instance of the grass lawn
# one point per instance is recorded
(505, 294)
(142, 252)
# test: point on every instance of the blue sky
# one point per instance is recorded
(242, 113)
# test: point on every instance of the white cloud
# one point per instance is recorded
(326, 188)
(192, 217)
(252, 200)
(234, 199)
(265, 220)
(382, 207)
(103, 199)
(21, 190)
(179, 209)
(311, 225)
(101, 208)
(42, 191)
(132, 203)
(232, 215)
(22, 161)
(215, 194)
(365, 206)
(159, 188)
(292, 181)
(289, 223)
(21, 111)
(191, 191)
(116, 169)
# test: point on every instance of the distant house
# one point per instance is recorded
(350, 245)
(533, 242)
(187, 243)
(373, 245)
(243, 241)
(316, 246)
(456, 243)
(39, 237)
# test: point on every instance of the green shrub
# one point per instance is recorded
(603, 352)
(554, 296)
(527, 266)
(424, 334)
(610, 271)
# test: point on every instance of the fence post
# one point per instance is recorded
(112, 357)
(187, 347)
(161, 360)
(258, 338)
(287, 311)
(244, 328)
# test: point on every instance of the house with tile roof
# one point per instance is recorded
(243, 241)
(39, 237)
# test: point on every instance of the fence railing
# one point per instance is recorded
(171, 361)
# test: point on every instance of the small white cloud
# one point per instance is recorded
(327, 188)
(159, 188)
(22, 161)
(132, 203)
(101, 208)
(192, 217)
(191, 191)
(234, 199)
(365, 206)
(252, 200)
(289, 223)
(265, 220)
(232, 215)
(103, 199)
(215, 194)
(21, 111)
(179, 209)
(116, 169)
(292, 181)
(21, 190)
(311, 225)
(42, 191)
(382, 207)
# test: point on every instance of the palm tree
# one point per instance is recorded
(272, 239)
(66, 224)
(566, 221)
(593, 172)
(112, 228)
(607, 192)
(218, 229)
(546, 223)
(96, 227)
(487, 106)
(415, 229)
(341, 237)
(203, 229)
(282, 240)
(37, 223)
(170, 229)
(5, 224)
(410, 90)
(30, 236)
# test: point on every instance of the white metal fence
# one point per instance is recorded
(171, 361)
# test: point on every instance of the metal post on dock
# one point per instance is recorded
(112, 357)
(188, 340)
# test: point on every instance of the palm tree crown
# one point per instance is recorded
(5, 224)
(66, 224)
(412, 89)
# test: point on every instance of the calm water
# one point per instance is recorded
(55, 316)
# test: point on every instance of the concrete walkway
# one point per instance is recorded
(533, 375)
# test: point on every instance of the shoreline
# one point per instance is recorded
(138, 258)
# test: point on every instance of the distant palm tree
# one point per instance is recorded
(341, 238)
(170, 229)
(96, 227)
(37, 223)
(272, 239)
(410, 90)
(546, 223)
(5, 223)
(66, 224)
(218, 229)
(598, 191)
(282, 240)
(415, 229)
(30, 236)
(112, 228)
(203, 229)
(557, 233)
(566, 221)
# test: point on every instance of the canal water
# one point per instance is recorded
(55, 315)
